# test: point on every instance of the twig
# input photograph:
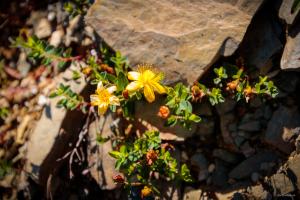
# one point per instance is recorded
(3, 24)
(74, 151)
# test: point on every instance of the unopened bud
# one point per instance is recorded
(163, 112)
(146, 191)
(125, 94)
(151, 157)
(87, 70)
(197, 93)
(232, 85)
(118, 179)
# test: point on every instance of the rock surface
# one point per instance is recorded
(243, 170)
(183, 38)
(281, 184)
(102, 164)
(285, 11)
(191, 193)
(294, 167)
(49, 140)
(199, 161)
(283, 117)
(291, 53)
(262, 39)
(43, 28)
(259, 192)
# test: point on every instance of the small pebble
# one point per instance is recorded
(51, 16)
(43, 100)
(211, 168)
(43, 28)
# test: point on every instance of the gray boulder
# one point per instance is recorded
(183, 38)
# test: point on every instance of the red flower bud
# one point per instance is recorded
(118, 179)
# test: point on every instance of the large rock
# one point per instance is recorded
(243, 170)
(183, 38)
(258, 192)
(102, 164)
(54, 131)
(225, 121)
(283, 118)
(281, 184)
(191, 193)
(291, 54)
(285, 11)
(262, 39)
(199, 161)
(294, 169)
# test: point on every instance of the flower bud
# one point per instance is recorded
(146, 191)
(107, 68)
(24, 33)
(232, 85)
(248, 92)
(125, 94)
(197, 93)
(151, 157)
(118, 179)
(87, 70)
(163, 112)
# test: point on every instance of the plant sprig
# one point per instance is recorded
(69, 99)
(77, 7)
(139, 160)
(41, 51)
(178, 100)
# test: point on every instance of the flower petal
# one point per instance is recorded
(134, 76)
(158, 87)
(158, 77)
(100, 85)
(102, 108)
(94, 100)
(113, 100)
(112, 89)
(133, 86)
(149, 93)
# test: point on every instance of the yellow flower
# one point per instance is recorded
(104, 97)
(145, 77)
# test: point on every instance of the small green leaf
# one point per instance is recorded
(76, 75)
(185, 173)
(171, 121)
(53, 94)
(115, 154)
(194, 118)
(121, 82)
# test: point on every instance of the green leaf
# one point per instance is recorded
(115, 154)
(71, 105)
(194, 118)
(185, 173)
(76, 75)
(171, 121)
(123, 149)
(121, 82)
(53, 94)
